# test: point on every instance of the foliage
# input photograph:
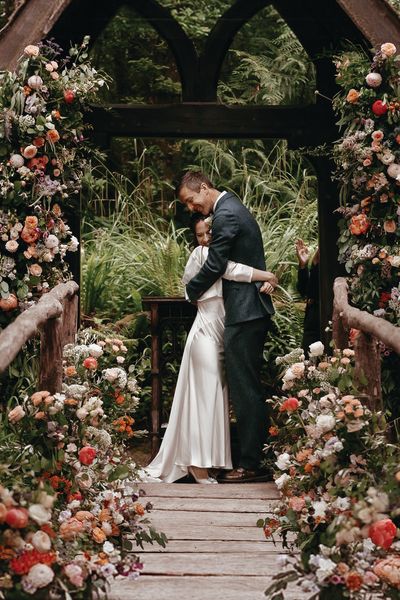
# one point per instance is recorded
(339, 482)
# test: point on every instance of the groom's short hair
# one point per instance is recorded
(193, 180)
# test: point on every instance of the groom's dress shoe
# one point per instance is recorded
(241, 475)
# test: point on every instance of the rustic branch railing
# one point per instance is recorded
(55, 316)
(371, 330)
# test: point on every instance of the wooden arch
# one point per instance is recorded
(319, 26)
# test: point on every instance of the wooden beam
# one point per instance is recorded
(29, 24)
(300, 125)
(376, 19)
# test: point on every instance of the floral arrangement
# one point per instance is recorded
(368, 167)
(45, 552)
(339, 480)
(43, 157)
(73, 445)
(42, 132)
(82, 432)
(32, 255)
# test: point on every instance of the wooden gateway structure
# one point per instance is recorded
(319, 26)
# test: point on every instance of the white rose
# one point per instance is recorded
(12, 246)
(394, 261)
(95, 350)
(81, 413)
(282, 481)
(316, 349)
(325, 422)
(16, 161)
(120, 359)
(73, 244)
(39, 514)
(41, 541)
(108, 547)
(393, 170)
(374, 80)
(46, 500)
(319, 507)
(35, 82)
(283, 461)
(52, 241)
(40, 575)
(288, 376)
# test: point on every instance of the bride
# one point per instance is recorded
(197, 437)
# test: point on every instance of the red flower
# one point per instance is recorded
(74, 496)
(290, 405)
(384, 299)
(69, 96)
(379, 108)
(90, 363)
(359, 224)
(23, 563)
(382, 533)
(17, 518)
(87, 454)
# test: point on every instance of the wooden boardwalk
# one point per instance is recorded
(215, 551)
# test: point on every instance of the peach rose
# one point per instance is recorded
(352, 96)
(71, 529)
(29, 235)
(390, 226)
(53, 135)
(31, 50)
(388, 570)
(12, 246)
(9, 303)
(139, 509)
(16, 414)
(70, 371)
(388, 49)
(84, 515)
(35, 270)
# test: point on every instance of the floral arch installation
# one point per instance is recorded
(319, 27)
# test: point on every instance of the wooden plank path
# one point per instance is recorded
(215, 551)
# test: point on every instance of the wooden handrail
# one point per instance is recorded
(359, 319)
(43, 315)
(371, 329)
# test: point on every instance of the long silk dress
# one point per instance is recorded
(198, 429)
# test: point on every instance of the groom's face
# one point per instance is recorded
(200, 201)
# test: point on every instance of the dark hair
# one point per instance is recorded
(193, 180)
(194, 219)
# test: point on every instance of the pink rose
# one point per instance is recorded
(30, 151)
(16, 414)
(35, 270)
(388, 49)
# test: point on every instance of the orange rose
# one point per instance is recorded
(98, 535)
(353, 581)
(53, 135)
(352, 96)
(84, 515)
(359, 224)
(9, 303)
(273, 431)
(139, 509)
(70, 371)
(31, 222)
(29, 235)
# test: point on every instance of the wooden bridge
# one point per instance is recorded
(215, 550)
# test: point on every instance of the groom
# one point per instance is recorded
(237, 237)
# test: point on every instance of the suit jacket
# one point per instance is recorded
(237, 237)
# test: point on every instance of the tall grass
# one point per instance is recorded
(131, 246)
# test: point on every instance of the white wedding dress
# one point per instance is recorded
(198, 429)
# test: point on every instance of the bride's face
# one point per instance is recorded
(203, 234)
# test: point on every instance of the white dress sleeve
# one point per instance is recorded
(238, 272)
(193, 266)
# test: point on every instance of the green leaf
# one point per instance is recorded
(121, 472)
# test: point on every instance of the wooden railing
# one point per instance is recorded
(55, 316)
(371, 331)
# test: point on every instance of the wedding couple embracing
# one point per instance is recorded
(225, 275)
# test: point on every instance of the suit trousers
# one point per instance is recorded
(244, 344)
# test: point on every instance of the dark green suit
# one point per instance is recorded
(237, 237)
